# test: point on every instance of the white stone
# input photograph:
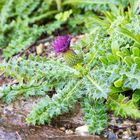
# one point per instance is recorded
(82, 130)
(62, 128)
(69, 132)
(47, 44)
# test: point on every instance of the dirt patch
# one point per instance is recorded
(13, 126)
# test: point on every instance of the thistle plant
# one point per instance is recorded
(62, 45)
(109, 70)
(104, 79)
(73, 91)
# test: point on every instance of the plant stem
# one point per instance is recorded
(94, 83)
(58, 3)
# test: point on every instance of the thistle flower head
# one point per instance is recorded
(62, 43)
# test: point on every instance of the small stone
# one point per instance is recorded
(137, 133)
(51, 55)
(105, 135)
(125, 137)
(127, 123)
(127, 134)
(112, 136)
(138, 126)
(39, 49)
(112, 122)
(47, 44)
(132, 138)
(69, 132)
(62, 128)
(119, 121)
(82, 130)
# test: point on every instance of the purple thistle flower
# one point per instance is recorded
(62, 43)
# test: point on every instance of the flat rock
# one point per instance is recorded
(82, 130)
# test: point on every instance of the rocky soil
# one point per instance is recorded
(67, 127)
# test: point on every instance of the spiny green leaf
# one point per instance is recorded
(122, 106)
(95, 115)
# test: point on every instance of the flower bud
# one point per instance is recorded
(62, 45)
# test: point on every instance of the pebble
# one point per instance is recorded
(127, 123)
(132, 138)
(125, 137)
(119, 121)
(68, 132)
(126, 133)
(112, 136)
(137, 133)
(112, 122)
(39, 49)
(47, 44)
(138, 126)
(51, 55)
(82, 130)
(62, 128)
